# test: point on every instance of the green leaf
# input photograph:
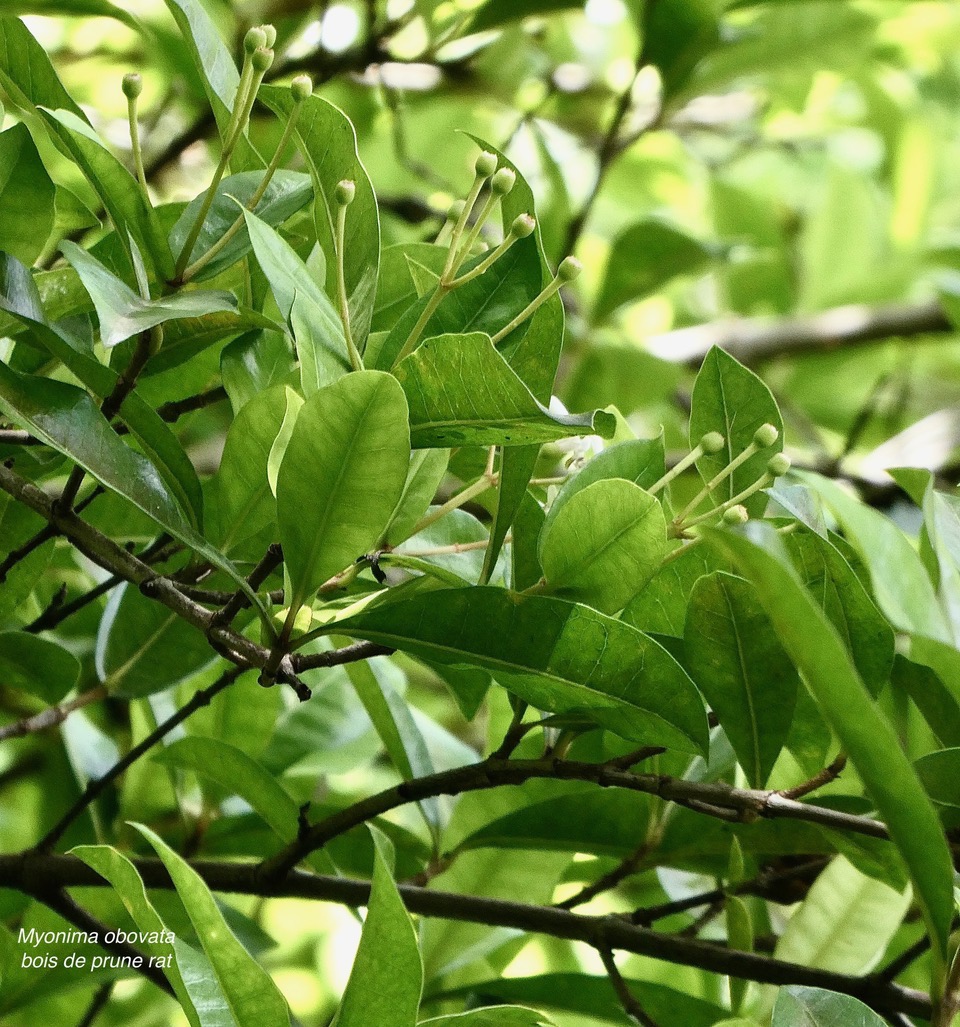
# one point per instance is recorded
(937, 705)
(118, 190)
(845, 922)
(494, 1016)
(251, 994)
(387, 976)
(316, 326)
(558, 656)
(37, 666)
(142, 647)
(115, 868)
(828, 672)
(26, 72)
(239, 774)
(677, 35)
(244, 502)
(938, 773)
(462, 392)
(747, 679)
(59, 8)
(661, 608)
(67, 419)
(729, 399)
(486, 304)
(286, 193)
(813, 1007)
(827, 575)
(496, 13)
(644, 258)
(122, 313)
(397, 289)
(342, 475)
(329, 146)
(251, 364)
(426, 471)
(26, 196)
(604, 546)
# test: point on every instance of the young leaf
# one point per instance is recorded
(286, 193)
(558, 656)
(122, 313)
(118, 190)
(316, 326)
(463, 393)
(37, 666)
(341, 478)
(387, 976)
(329, 145)
(813, 1007)
(747, 679)
(890, 781)
(731, 400)
(27, 74)
(26, 196)
(604, 546)
(249, 990)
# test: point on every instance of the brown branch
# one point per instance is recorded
(628, 1000)
(712, 798)
(624, 869)
(98, 785)
(52, 716)
(38, 874)
(818, 780)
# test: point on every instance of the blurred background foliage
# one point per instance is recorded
(779, 176)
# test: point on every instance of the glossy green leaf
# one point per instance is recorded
(342, 475)
(90, 8)
(813, 1007)
(730, 399)
(604, 546)
(287, 192)
(558, 656)
(426, 471)
(249, 990)
(239, 774)
(26, 196)
(397, 290)
(115, 868)
(494, 1016)
(387, 976)
(123, 314)
(827, 669)
(253, 363)
(869, 910)
(244, 502)
(934, 700)
(643, 259)
(37, 666)
(316, 326)
(661, 608)
(26, 72)
(328, 143)
(118, 190)
(828, 576)
(517, 464)
(142, 647)
(747, 679)
(462, 392)
(939, 773)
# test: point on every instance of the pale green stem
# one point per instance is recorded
(356, 361)
(135, 146)
(428, 311)
(486, 263)
(716, 480)
(241, 115)
(455, 502)
(529, 309)
(691, 458)
(485, 211)
(272, 167)
(453, 548)
(761, 483)
(450, 267)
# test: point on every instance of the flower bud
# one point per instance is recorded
(345, 192)
(778, 465)
(486, 164)
(132, 85)
(569, 269)
(503, 181)
(712, 442)
(766, 435)
(523, 225)
(262, 59)
(736, 515)
(254, 40)
(270, 33)
(301, 88)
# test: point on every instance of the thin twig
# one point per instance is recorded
(52, 716)
(628, 1000)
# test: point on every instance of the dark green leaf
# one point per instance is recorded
(939, 773)
(26, 196)
(747, 679)
(397, 290)
(661, 608)
(558, 656)
(37, 666)
(462, 392)
(26, 72)
(495, 1016)
(254, 362)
